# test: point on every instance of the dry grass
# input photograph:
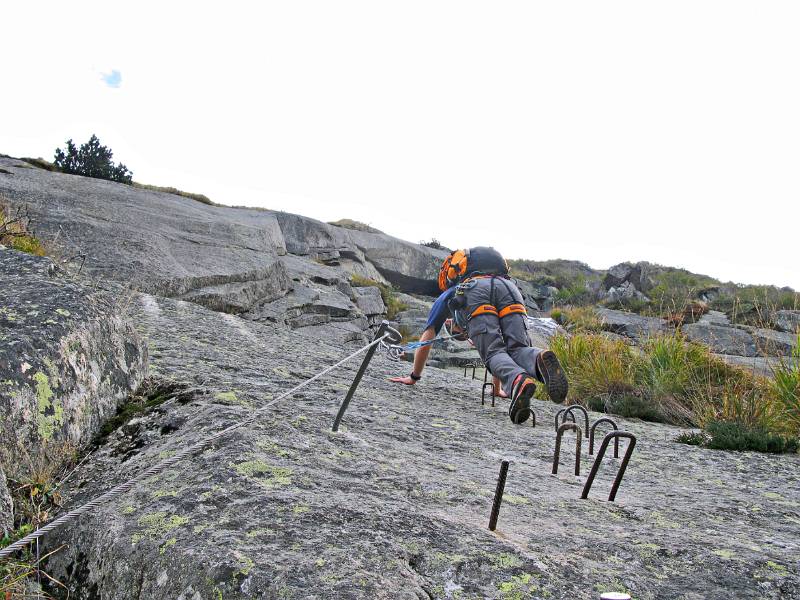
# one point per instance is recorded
(171, 190)
(355, 225)
(34, 480)
(579, 319)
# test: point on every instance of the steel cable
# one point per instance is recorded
(168, 462)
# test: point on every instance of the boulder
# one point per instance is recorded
(68, 358)
(708, 294)
(623, 293)
(369, 300)
(542, 329)
(714, 317)
(773, 343)
(156, 242)
(536, 296)
(6, 506)
(631, 325)
(413, 268)
(637, 274)
(763, 366)
(309, 237)
(787, 320)
(722, 339)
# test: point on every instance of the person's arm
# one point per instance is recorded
(420, 358)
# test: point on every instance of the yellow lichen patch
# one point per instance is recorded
(724, 553)
(259, 532)
(300, 508)
(518, 587)
(46, 423)
(170, 542)
(272, 448)
(267, 474)
(157, 525)
(246, 564)
(229, 398)
(776, 567)
(516, 500)
(165, 493)
(505, 561)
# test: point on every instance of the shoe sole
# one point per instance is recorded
(555, 380)
(520, 409)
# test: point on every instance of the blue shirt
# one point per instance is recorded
(439, 311)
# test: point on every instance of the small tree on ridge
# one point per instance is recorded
(91, 160)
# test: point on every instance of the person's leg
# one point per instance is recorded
(484, 331)
(542, 364)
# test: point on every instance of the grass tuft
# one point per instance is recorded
(671, 380)
(15, 232)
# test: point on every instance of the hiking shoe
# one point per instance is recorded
(521, 393)
(555, 380)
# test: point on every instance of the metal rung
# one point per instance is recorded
(596, 466)
(566, 427)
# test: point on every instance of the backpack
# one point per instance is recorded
(463, 264)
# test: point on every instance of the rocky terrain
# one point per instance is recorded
(235, 306)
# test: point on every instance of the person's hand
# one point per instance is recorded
(405, 380)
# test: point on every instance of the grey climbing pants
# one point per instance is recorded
(503, 344)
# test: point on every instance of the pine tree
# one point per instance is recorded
(92, 159)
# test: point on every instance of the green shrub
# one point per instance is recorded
(574, 291)
(435, 244)
(693, 438)
(91, 160)
(633, 406)
(735, 436)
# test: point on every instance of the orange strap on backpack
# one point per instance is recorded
(492, 310)
(511, 309)
(484, 309)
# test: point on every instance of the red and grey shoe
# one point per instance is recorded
(552, 373)
(521, 393)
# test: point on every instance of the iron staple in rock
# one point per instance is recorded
(559, 436)
(498, 495)
(596, 466)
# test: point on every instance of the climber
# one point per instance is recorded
(485, 303)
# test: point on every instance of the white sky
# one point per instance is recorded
(599, 131)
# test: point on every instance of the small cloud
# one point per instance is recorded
(112, 79)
